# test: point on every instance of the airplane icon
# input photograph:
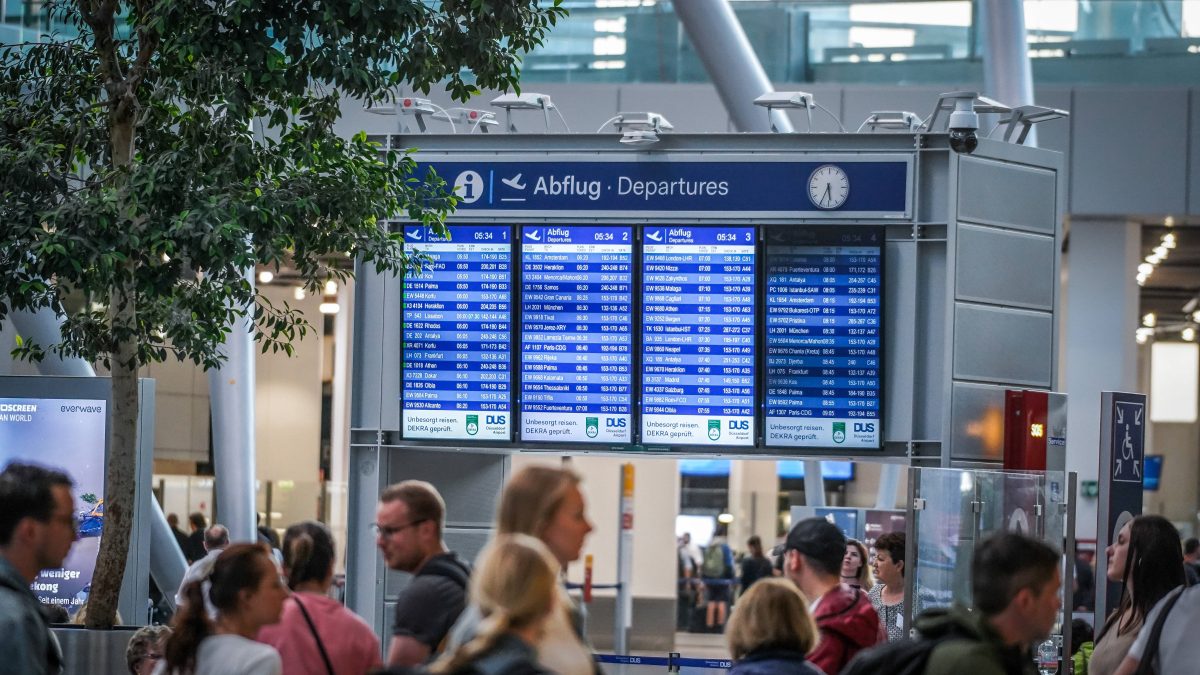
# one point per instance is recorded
(414, 234)
(655, 235)
(514, 182)
(535, 235)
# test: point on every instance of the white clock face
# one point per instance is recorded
(828, 187)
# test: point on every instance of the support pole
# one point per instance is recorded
(731, 63)
(623, 607)
(42, 327)
(231, 392)
(889, 480)
(1007, 75)
(814, 483)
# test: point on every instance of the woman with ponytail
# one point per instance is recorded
(244, 593)
(317, 635)
(516, 588)
(546, 502)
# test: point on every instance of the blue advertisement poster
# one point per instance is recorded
(68, 435)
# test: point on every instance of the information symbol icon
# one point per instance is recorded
(468, 187)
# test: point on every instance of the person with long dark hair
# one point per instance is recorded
(316, 634)
(856, 571)
(244, 593)
(1148, 562)
(755, 565)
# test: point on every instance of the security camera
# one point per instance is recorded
(964, 122)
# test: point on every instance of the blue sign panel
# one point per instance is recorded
(698, 335)
(457, 335)
(576, 334)
(863, 187)
(823, 319)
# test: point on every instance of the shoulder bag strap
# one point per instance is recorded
(316, 638)
(1150, 651)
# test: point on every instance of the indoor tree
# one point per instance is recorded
(151, 152)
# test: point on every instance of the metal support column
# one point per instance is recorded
(1007, 75)
(889, 480)
(42, 327)
(231, 392)
(814, 483)
(731, 63)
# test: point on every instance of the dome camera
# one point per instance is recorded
(964, 141)
(964, 122)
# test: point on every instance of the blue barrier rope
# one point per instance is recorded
(579, 587)
(671, 662)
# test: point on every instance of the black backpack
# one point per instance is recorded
(902, 657)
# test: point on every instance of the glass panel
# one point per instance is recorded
(1009, 501)
(945, 537)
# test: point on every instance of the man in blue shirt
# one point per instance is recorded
(37, 529)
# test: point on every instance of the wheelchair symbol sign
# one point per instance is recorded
(1128, 439)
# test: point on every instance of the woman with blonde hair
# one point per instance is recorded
(771, 631)
(516, 588)
(546, 503)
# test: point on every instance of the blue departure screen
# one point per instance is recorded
(457, 335)
(576, 333)
(698, 336)
(823, 337)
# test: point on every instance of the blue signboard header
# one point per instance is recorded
(871, 187)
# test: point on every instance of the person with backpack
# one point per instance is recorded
(845, 618)
(408, 532)
(316, 635)
(1015, 582)
(716, 573)
(1165, 643)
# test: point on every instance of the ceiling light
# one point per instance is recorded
(265, 276)
(1169, 221)
(1196, 316)
(329, 308)
(1153, 259)
(725, 518)
(1141, 338)
(331, 287)
(1149, 320)
(1141, 280)
(1189, 334)
(1168, 240)
(1161, 251)
(299, 293)
(1145, 268)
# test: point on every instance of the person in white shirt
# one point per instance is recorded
(1177, 651)
(244, 592)
(216, 538)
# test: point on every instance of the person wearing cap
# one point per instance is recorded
(845, 618)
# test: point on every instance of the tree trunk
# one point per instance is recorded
(120, 472)
(119, 488)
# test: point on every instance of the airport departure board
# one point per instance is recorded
(457, 335)
(576, 334)
(698, 335)
(823, 342)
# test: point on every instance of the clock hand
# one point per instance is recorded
(828, 195)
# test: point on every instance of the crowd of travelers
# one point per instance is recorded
(827, 606)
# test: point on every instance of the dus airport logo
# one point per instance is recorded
(592, 429)
(714, 430)
(839, 432)
(472, 425)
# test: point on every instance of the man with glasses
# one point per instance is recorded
(408, 532)
(37, 530)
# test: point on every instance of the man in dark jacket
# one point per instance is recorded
(1015, 582)
(37, 530)
(844, 615)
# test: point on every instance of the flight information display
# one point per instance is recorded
(457, 335)
(576, 334)
(698, 335)
(823, 354)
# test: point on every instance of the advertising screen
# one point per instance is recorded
(823, 342)
(68, 435)
(698, 335)
(576, 334)
(457, 335)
